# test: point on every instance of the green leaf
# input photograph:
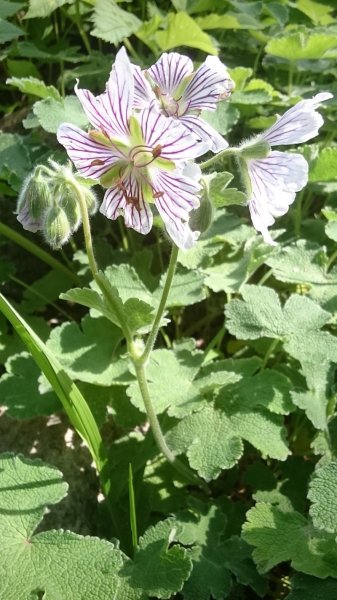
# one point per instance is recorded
(232, 273)
(9, 32)
(287, 536)
(88, 353)
(51, 113)
(219, 193)
(19, 389)
(41, 8)
(159, 567)
(182, 30)
(133, 302)
(112, 23)
(210, 441)
(171, 383)
(260, 314)
(303, 45)
(223, 118)
(268, 388)
(324, 167)
(36, 563)
(14, 154)
(187, 288)
(210, 576)
(35, 87)
(72, 400)
(323, 496)
(228, 21)
(8, 9)
(310, 588)
(315, 401)
(317, 12)
(306, 263)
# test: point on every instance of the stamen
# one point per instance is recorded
(157, 151)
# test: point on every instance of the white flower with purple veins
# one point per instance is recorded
(276, 178)
(140, 156)
(183, 94)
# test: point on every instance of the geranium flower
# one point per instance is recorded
(183, 94)
(140, 156)
(277, 177)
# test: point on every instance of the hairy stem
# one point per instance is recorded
(167, 286)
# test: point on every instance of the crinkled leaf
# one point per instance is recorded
(187, 288)
(34, 564)
(211, 442)
(88, 353)
(182, 30)
(324, 167)
(260, 314)
(14, 155)
(41, 8)
(223, 118)
(19, 389)
(171, 383)
(112, 23)
(52, 113)
(306, 263)
(323, 496)
(287, 536)
(304, 44)
(268, 388)
(158, 567)
(35, 87)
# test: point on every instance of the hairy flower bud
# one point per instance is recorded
(34, 200)
(91, 200)
(67, 201)
(56, 227)
(255, 149)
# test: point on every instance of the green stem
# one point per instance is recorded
(97, 275)
(81, 31)
(155, 425)
(156, 324)
(331, 260)
(218, 157)
(19, 239)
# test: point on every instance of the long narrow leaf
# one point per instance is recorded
(70, 396)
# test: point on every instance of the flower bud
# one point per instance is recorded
(255, 149)
(91, 200)
(56, 227)
(34, 199)
(67, 201)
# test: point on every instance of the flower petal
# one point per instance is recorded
(298, 124)
(275, 181)
(175, 141)
(94, 110)
(210, 83)
(137, 213)
(176, 197)
(143, 93)
(118, 98)
(169, 71)
(205, 132)
(91, 158)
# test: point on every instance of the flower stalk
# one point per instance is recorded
(139, 360)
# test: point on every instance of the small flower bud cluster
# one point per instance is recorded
(48, 203)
